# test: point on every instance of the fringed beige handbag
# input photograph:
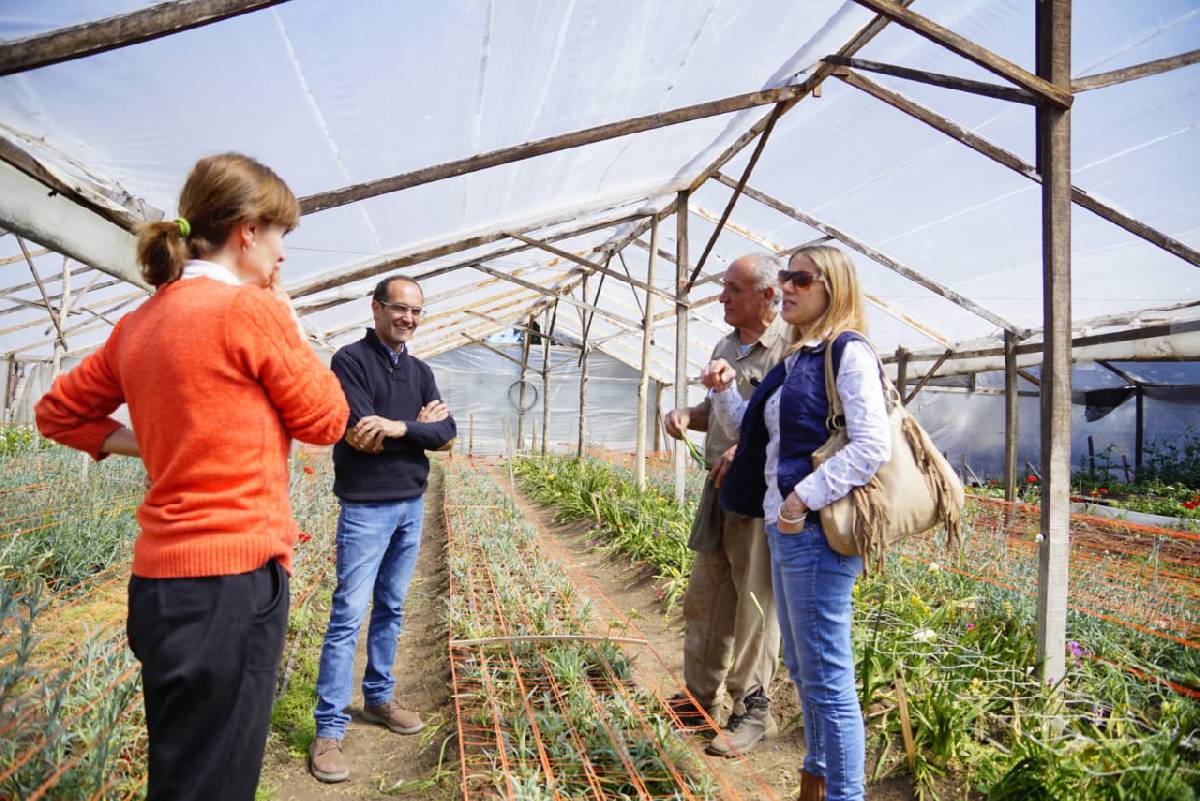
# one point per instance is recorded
(912, 493)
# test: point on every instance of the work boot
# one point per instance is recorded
(398, 720)
(812, 787)
(745, 729)
(689, 713)
(326, 760)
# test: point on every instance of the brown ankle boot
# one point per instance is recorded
(812, 787)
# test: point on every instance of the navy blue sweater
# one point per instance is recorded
(374, 387)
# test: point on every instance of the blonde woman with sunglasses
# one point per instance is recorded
(772, 477)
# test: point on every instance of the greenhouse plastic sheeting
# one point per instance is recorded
(476, 383)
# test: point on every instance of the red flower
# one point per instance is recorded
(1101, 490)
(1031, 479)
(309, 470)
(1190, 505)
(305, 537)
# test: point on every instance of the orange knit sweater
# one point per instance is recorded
(218, 381)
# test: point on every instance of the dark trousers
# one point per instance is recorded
(209, 649)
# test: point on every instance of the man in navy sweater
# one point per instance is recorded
(380, 473)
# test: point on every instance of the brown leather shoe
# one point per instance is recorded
(326, 761)
(812, 787)
(401, 721)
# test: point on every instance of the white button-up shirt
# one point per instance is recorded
(861, 391)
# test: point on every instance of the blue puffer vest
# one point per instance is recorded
(803, 407)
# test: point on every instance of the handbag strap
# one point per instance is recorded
(836, 419)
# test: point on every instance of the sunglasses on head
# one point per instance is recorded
(801, 279)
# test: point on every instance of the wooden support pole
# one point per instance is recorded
(64, 304)
(902, 373)
(658, 429)
(471, 434)
(550, 316)
(581, 445)
(1055, 94)
(1054, 163)
(1018, 165)
(1102, 79)
(134, 27)
(681, 332)
(644, 378)
(776, 113)
(1139, 395)
(62, 339)
(1012, 428)
(521, 388)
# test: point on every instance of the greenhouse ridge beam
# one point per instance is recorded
(964, 47)
(873, 254)
(1156, 67)
(1015, 163)
(1010, 93)
(122, 30)
(599, 133)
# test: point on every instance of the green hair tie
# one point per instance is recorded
(185, 227)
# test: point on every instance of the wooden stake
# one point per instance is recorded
(471, 434)
(521, 390)
(1012, 428)
(581, 445)
(910, 746)
(551, 314)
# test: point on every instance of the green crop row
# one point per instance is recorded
(964, 652)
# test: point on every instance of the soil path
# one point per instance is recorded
(383, 764)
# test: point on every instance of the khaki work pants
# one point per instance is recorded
(726, 637)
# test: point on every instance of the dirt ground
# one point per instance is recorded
(383, 764)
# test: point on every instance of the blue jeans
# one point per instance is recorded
(813, 595)
(377, 545)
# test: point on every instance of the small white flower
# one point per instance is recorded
(934, 567)
(924, 635)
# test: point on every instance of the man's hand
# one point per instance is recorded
(717, 474)
(718, 375)
(370, 432)
(433, 412)
(676, 422)
(373, 445)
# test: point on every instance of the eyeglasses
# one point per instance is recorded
(801, 279)
(401, 308)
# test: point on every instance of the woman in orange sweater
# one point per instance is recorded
(218, 381)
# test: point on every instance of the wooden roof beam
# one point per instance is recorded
(1009, 93)
(350, 194)
(993, 63)
(122, 30)
(1156, 67)
(873, 254)
(1016, 164)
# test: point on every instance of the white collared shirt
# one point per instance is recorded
(199, 268)
(861, 391)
